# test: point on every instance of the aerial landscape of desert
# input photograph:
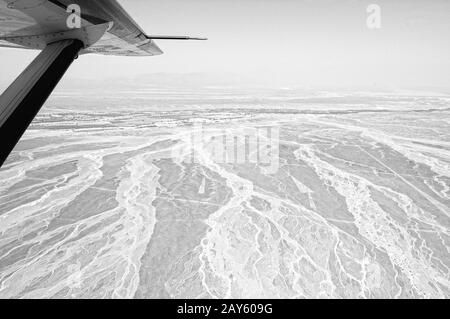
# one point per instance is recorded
(217, 194)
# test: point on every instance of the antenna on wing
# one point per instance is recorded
(170, 37)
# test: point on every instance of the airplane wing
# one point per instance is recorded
(36, 17)
(24, 18)
(103, 27)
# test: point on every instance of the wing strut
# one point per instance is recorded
(21, 102)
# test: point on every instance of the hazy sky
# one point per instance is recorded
(315, 42)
